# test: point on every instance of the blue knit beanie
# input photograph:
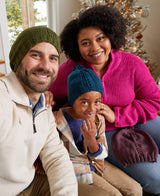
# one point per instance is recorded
(82, 80)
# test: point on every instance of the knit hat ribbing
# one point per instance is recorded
(132, 145)
(28, 39)
(82, 80)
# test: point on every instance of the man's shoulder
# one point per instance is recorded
(7, 80)
(3, 86)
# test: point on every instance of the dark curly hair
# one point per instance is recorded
(108, 19)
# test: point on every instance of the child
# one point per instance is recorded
(82, 130)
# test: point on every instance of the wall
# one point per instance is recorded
(65, 10)
(152, 33)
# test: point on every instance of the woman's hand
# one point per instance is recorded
(106, 111)
(49, 98)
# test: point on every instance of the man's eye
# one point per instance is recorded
(54, 59)
(35, 55)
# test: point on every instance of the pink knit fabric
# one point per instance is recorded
(129, 89)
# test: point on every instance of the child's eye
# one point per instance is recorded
(97, 102)
(84, 102)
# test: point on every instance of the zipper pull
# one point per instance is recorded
(34, 127)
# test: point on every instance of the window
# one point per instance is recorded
(22, 14)
(16, 15)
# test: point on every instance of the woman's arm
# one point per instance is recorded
(146, 100)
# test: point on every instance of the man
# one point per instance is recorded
(27, 127)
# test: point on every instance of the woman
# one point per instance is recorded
(131, 96)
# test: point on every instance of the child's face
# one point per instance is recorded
(87, 105)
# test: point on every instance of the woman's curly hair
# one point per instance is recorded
(108, 19)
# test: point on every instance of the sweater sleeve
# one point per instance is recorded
(145, 104)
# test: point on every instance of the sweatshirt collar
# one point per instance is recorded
(39, 105)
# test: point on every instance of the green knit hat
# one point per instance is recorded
(28, 39)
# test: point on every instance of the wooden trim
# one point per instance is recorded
(27, 13)
(2, 74)
(24, 14)
(31, 12)
(2, 62)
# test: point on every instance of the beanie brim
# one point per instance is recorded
(82, 80)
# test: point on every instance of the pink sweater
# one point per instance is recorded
(129, 89)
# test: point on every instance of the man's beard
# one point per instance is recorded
(39, 87)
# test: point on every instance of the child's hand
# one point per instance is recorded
(49, 98)
(88, 129)
(106, 111)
